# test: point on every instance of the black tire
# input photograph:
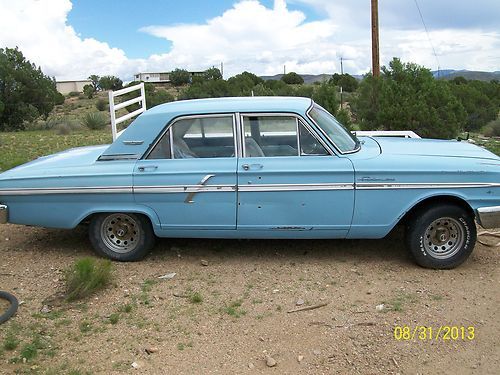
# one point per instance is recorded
(441, 237)
(123, 237)
(14, 304)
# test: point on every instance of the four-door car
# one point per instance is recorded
(260, 167)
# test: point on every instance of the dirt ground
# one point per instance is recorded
(246, 291)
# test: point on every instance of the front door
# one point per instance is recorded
(288, 181)
(189, 176)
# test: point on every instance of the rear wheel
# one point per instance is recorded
(441, 236)
(121, 236)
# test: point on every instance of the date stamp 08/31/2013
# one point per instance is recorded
(429, 333)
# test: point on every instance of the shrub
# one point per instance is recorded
(59, 98)
(492, 129)
(73, 94)
(87, 276)
(89, 91)
(94, 121)
(101, 105)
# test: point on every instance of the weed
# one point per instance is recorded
(147, 285)
(234, 309)
(257, 301)
(114, 318)
(396, 304)
(87, 276)
(195, 297)
(101, 105)
(85, 326)
(94, 121)
(11, 342)
(436, 297)
(126, 308)
(181, 346)
(279, 308)
(29, 351)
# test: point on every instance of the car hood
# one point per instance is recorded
(75, 157)
(432, 147)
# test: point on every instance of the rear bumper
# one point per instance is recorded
(4, 214)
(489, 217)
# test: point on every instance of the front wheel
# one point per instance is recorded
(121, 236)
(441, 237)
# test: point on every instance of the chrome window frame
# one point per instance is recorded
(283, 114)
(308, 113)
(188, 117)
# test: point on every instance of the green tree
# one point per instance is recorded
(326, 95)
(25, 92)
(180, 77)
(407, 97)
(94, 81)
(243, 84)
(348, 82)
(212, 74)
(89, 91)
(110, 83)
(292, 78)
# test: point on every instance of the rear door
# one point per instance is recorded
(288, 181)
(189, 176)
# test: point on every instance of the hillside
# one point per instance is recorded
(446, 74)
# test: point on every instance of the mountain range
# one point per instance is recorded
(441, 74)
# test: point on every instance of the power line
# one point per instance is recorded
(428, 36)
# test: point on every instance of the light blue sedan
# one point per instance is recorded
(263, 167)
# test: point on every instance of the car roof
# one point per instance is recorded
(134, 141)
(234, 104)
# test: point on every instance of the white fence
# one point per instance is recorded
(115, 107)
(388, 133)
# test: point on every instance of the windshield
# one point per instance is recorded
(340, 136)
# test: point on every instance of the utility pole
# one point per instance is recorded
(341, 76)
(375, 41)
(284, 69)
(222, 69)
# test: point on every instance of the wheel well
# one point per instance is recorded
(438, 200)
(89, 217)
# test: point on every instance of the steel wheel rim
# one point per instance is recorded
(120, 233)
(443, 238)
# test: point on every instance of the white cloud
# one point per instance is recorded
(248, 36)
(39, 28)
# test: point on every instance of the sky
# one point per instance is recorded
(72, 39)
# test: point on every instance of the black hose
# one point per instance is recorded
(14, 304)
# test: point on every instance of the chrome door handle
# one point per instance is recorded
(147, 167)
(246, 167)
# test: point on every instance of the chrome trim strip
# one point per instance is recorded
(133, 143)
(296, 187)
(424, 185)
(4, 214)
(324, 133)
(183, 189)
(118, 157)
(201, 187)
(489, 217)
(67, 190)
(189, 198)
